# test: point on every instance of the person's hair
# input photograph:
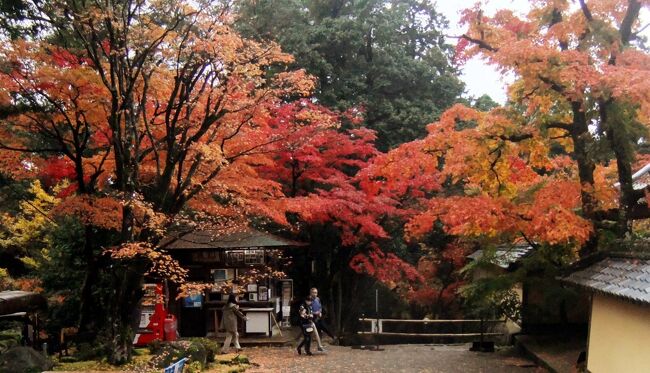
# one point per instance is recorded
(313, 289)
(232, 298)
(309, 298)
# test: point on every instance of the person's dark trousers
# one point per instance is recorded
(320, 325)
(306, 341)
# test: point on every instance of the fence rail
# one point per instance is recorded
(443, 328)
(431, 321)
(432, 334)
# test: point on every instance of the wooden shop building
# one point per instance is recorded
(219, 259)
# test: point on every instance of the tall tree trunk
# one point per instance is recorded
(89, 308)
(123, 319)
(129, 284)
(581, 138)
(339, 305)
(615, 121)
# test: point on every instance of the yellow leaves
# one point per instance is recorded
(161, 264)
(512, 183)
(5, 280)
(295, 83)
(490, 152)
(28, 225)
(210, 153)
(605, 179)
(188, 289)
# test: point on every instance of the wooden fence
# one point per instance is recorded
(422, 328)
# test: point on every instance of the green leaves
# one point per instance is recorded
(386, 57)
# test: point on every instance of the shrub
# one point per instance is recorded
(211, 347)
(240, 359)
(87, 351)
(10, 338)
(171, 352)
(194, 367)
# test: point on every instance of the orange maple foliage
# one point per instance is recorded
(483, 175)
(526, 170)
(579, 72)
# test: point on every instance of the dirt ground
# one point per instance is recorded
(395, 358)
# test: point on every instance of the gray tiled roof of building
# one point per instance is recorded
(640, 179)
(504, 256)
(207, 239)
(624, 277)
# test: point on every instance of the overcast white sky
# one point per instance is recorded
(479, 77)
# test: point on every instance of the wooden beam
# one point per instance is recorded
(433, 335)
(430, 321)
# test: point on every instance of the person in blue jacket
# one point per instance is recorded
(317, 309)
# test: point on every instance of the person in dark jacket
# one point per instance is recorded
(307, 325)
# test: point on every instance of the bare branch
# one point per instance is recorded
(585, 11)
(481, 43)
(631, 15)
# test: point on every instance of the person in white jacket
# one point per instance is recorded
(231, 314)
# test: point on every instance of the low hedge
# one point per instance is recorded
(201, 350)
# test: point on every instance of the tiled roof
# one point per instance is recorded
(206, 239)
(504, 256)
(13, 301)
(623, 277)
(640, 179)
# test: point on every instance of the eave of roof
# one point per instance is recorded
(627, 278)
(504, 256)
(206, 239)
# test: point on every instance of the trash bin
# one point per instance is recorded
(171, 327)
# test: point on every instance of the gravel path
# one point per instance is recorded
(395, 358)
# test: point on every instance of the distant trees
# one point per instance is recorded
(387, 59)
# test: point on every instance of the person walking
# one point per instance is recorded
(317, 309)
(231, 313)
(307, 326)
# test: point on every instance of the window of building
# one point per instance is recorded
(222, 275)
(235, 257)
(254, 257)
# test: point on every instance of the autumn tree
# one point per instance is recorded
(532, 170)
(580, 74)
(316, 165)
(551, 169)
(148, 109)
(345, 200)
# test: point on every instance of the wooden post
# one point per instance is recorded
(216, 323)
(378, 325)
(276, 324)
(482, 333)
